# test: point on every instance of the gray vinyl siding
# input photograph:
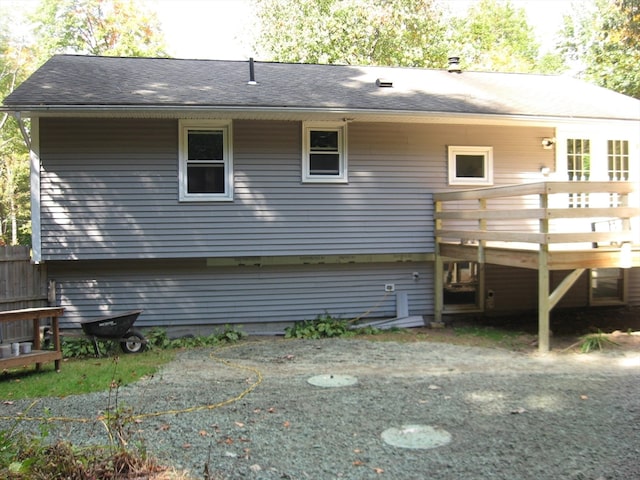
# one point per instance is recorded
(633, 292)
(110, 189)
(186, 293)
(110, 203)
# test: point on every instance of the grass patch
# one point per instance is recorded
(27, 457)
(488, 333)
(80, 375)
(484, 336)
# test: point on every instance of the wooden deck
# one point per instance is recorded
(543, 226)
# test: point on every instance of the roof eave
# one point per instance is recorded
(297, 114)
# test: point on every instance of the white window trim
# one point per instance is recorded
(341, 128)
(487, 152)
(225, 126)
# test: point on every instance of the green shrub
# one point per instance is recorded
(324, 326)
(83, 347)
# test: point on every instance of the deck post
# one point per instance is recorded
(438, 294)
(544, 306)
(543, 301)
(480, 289)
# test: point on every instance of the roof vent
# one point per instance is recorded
(252, 73)
(454, 65)
(384, 83)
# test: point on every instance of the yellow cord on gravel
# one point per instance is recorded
(197, 408)
(141, 416)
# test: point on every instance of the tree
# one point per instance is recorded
(98, 27)
(364, 32)
(605, 43)
(417, 33)
(495, 36)
(14, 162)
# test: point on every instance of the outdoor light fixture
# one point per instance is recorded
(548, 143)
(626, 257)
(454, 65)
(545, 171)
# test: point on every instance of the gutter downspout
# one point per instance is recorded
(33, 144)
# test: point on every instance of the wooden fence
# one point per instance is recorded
(22, 285)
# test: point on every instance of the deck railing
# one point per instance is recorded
(538, 214)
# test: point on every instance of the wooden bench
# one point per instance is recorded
(36, 355)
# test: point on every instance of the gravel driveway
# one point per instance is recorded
(506, 415)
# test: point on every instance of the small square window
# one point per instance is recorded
(470, 165)
(206, 167)
(324, 153)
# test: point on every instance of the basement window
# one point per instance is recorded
(324, 153)
(607, 286)
(470, 165)
(205, 161)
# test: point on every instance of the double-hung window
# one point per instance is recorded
(206, 165)
(324, 153)
(470, 165)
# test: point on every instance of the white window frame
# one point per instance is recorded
(341, 129)
(486, 152)
(224, 126)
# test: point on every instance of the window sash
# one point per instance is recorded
(470, 165)
(324, 153)
(206, 168)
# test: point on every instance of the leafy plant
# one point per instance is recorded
(159, 339)
(83, 347)
(595, 341)
(370, 330)
(324, 326)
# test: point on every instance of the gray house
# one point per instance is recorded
(232, 192)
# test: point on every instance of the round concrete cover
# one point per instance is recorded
(416, 436)
(330, 381)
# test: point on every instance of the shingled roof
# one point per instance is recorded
(88, 83)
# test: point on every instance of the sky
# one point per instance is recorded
(222, 29)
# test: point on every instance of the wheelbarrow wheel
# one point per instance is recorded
(133, 342)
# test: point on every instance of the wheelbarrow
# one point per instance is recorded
(116, 327)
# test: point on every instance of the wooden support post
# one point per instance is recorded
(438, 294)
(544, 307)
(438, 299)
(482, 226)
(543, 301)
